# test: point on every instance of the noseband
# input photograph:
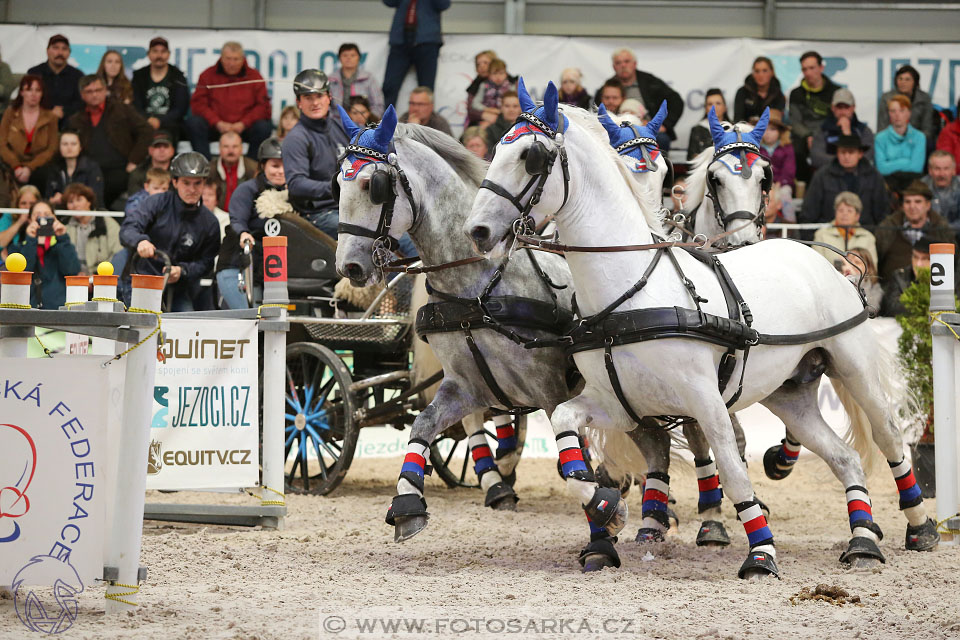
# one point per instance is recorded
(382, 192)
(538, 163)
(740, 147)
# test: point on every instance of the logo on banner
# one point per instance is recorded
(15, 477)
(49, 610)
(154, 459)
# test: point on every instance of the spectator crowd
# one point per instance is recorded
(109, 140)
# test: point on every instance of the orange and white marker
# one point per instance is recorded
(15, 290)
(944, 384)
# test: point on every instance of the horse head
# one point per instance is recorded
(638, 149)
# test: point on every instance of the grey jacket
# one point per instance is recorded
(921, 112)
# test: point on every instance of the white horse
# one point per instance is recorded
(790, 289)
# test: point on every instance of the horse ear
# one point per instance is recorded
(716, 129)
(388, 124)
(348, 124)
(611, 127)
(526, 102)
(551, 103)
(761, 126)
(653, 127)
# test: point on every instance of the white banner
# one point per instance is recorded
(690, 66)
(205, 428)
(53, 477)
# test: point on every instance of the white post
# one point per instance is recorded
(944, 386)
(126, 529)
(105, 290)
(77, 291)
(274, 372)
(15, 290)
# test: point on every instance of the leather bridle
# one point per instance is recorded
(740, 147)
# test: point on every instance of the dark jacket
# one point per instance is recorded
(127, 131)
(310, 154)
(60, 89)
(825, 140)
(893, 287)
(895, 250)
(435, 121)
(87, 172)
(749, 104)
(428, 20)
(700, 139)
(830, 180)
(59, 261)
(580, 99)
(246, 103)
(808, 108)
(246, 169)
(244, 217)
(172, 93)
(190, 235)
(654, 91)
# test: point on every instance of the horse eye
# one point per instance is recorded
(365, 185)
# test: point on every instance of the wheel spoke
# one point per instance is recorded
(335, 457)
(314, 381)
(322, 394)
(293, 434)
(453, 449)
(323, 467)
(293, 390)
(466, 461)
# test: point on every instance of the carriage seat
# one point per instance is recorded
(311, 257)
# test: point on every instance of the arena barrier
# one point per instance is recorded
(71, 483)
(945, 327)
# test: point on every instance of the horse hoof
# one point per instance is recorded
(770, 466)
(596, 562)
(619, 519)
(923, 537)
(862, 553)
(758, 564)
(712, 534)
(649, 534)
(406, 528)
(501, 497)
(599, 554)
(672, 519)
(607, 509)
(511, 478)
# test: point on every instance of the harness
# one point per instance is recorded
(741, 148)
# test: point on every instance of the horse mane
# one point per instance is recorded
(468, 166)
(642, 193)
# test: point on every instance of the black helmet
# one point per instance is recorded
(190, 165)
(310, 81)
(269, 148)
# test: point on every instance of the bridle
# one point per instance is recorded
(740, 147)
(538, 163)
(382, 192)
(644, 143)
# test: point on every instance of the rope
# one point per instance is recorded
(11, 305)
(281, 502)
(120, 596)
(942, 529)
(150, 335)
(264, 306)
(935, 317)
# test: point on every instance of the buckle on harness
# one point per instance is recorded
(727, 364)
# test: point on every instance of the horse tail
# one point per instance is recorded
(618, 453)
(425, 362)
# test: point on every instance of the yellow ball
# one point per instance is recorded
(16, 262)
(104, 269)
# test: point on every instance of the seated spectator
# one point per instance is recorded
(634, 111)
(10, 224)
(350, 80)
(155, 180)
(114, 77)
(901, 279)
(645, 87)
(70, 166)
(809, 107)
(212, 190)
(760, 90)
(29, 132)
(907, 83)
(231, 168)
(842, 121)
(289, 118)
(489, 97)
(945, 186)
(899, 232)
(475, 140)
(114, 135)
(243, 107)
(96, 238)
(359, 111)
(846, 232)
(773, 213)
(481, 63)
(50, 255)
(611, 95)
(8, 83)
(700, 137)
(900, 149)
(420, 111)
(60, 80)
(159, 155)
(571, 89)
(776, 147)
(510, 110)
(949, 139)
(160, 91)
(177, 223)
(859, 263)
(849, 171)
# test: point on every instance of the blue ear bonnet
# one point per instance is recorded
(367, 144)
(728, 141)
(543, 119)
(631, 140)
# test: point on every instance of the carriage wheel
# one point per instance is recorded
(318, 418)
(455, 467)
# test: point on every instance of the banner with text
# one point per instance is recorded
(205, 428)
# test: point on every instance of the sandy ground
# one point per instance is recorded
(336, 557)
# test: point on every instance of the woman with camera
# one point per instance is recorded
(50, 255)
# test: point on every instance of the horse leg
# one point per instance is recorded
(508, 454)
(712, 532)
(605, 509)
(408, 511)
(778, 460)
(654, 444)
(797, 406)
(500, 495)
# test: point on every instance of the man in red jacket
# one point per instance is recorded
(242, 107)
(949, 139)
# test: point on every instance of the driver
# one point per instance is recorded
(177, 223)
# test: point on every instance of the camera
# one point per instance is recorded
(45, 228)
